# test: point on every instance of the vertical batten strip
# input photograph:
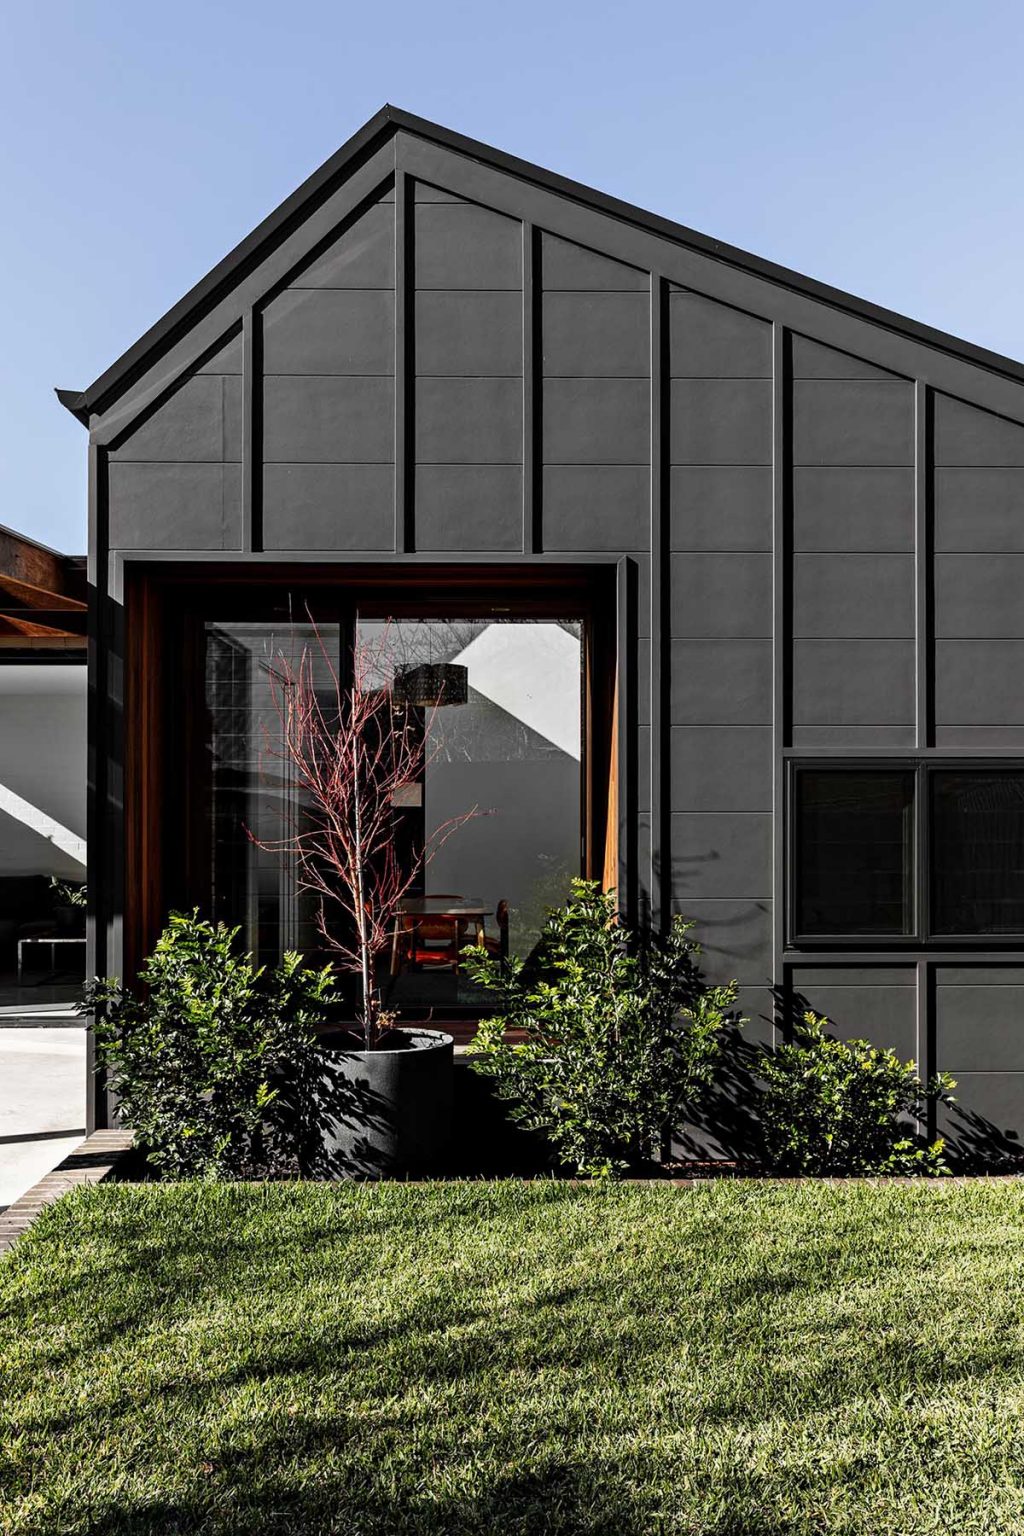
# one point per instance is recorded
(924, 1022)
(96, 1117)
(922, 567)
(923, 717)
(405, 534)
(659, 886)
(252, 384)
(780, 641)
(531, 531)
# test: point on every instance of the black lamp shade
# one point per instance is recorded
(432, 683)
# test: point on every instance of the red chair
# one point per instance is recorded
(432, 939)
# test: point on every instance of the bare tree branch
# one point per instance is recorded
(352, 758)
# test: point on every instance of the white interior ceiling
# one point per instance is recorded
(532, 671)
(42, 769)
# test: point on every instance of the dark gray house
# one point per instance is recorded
(732, 562)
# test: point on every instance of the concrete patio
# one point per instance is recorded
(42, 1096)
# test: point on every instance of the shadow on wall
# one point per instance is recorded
(726, 1123)
(974, 1144)
(977, 1145)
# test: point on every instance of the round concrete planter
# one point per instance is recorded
(388, 1111)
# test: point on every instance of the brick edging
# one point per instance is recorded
(94, 1160)
(100, 1154)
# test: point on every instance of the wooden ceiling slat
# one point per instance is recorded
(30, 562)
(41, 592)
(24, 594)
(12, 626)
(26, 645)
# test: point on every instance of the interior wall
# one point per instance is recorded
(43, 762)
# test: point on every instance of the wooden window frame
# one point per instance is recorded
(166, 858)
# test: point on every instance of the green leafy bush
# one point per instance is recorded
(841, 1107)
(620, 1033)
(203, 1060)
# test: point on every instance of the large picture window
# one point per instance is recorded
(912, 852)
(512, 715)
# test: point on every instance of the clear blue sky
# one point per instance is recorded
(877, 146)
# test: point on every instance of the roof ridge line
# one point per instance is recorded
(391, 119)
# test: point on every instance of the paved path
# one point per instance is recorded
(91, 1162)
(42, 1103)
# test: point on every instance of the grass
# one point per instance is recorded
(516, 1358)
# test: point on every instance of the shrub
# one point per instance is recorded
(841, 1107)
(203, 1057)
(620, 1033)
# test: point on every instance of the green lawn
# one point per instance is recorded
(503, 1358)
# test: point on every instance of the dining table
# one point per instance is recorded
(462, 912)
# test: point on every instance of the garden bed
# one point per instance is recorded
(516, 1357)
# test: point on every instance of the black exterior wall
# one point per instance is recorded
(435, 355)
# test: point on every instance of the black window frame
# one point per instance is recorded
(921, 934)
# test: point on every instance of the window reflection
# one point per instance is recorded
(504, 734)
(854, 852)
(252, 786)
(500, 701)
(977, 854)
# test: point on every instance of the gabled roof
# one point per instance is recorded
(390, 120)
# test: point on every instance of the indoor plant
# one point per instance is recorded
(69, 905)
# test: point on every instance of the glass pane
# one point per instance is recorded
(42, 833)
(252, 787)
(853, 852)
(501, 704)
(977, 852)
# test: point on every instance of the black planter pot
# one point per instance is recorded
(70, 921)
(384, 1112)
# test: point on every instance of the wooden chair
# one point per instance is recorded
(432, 940)
(499, 946)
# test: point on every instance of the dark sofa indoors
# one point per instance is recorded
(30, 908)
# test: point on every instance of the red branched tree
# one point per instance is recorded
(353, 747)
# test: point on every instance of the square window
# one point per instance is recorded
(854, 852)
(977, 852)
